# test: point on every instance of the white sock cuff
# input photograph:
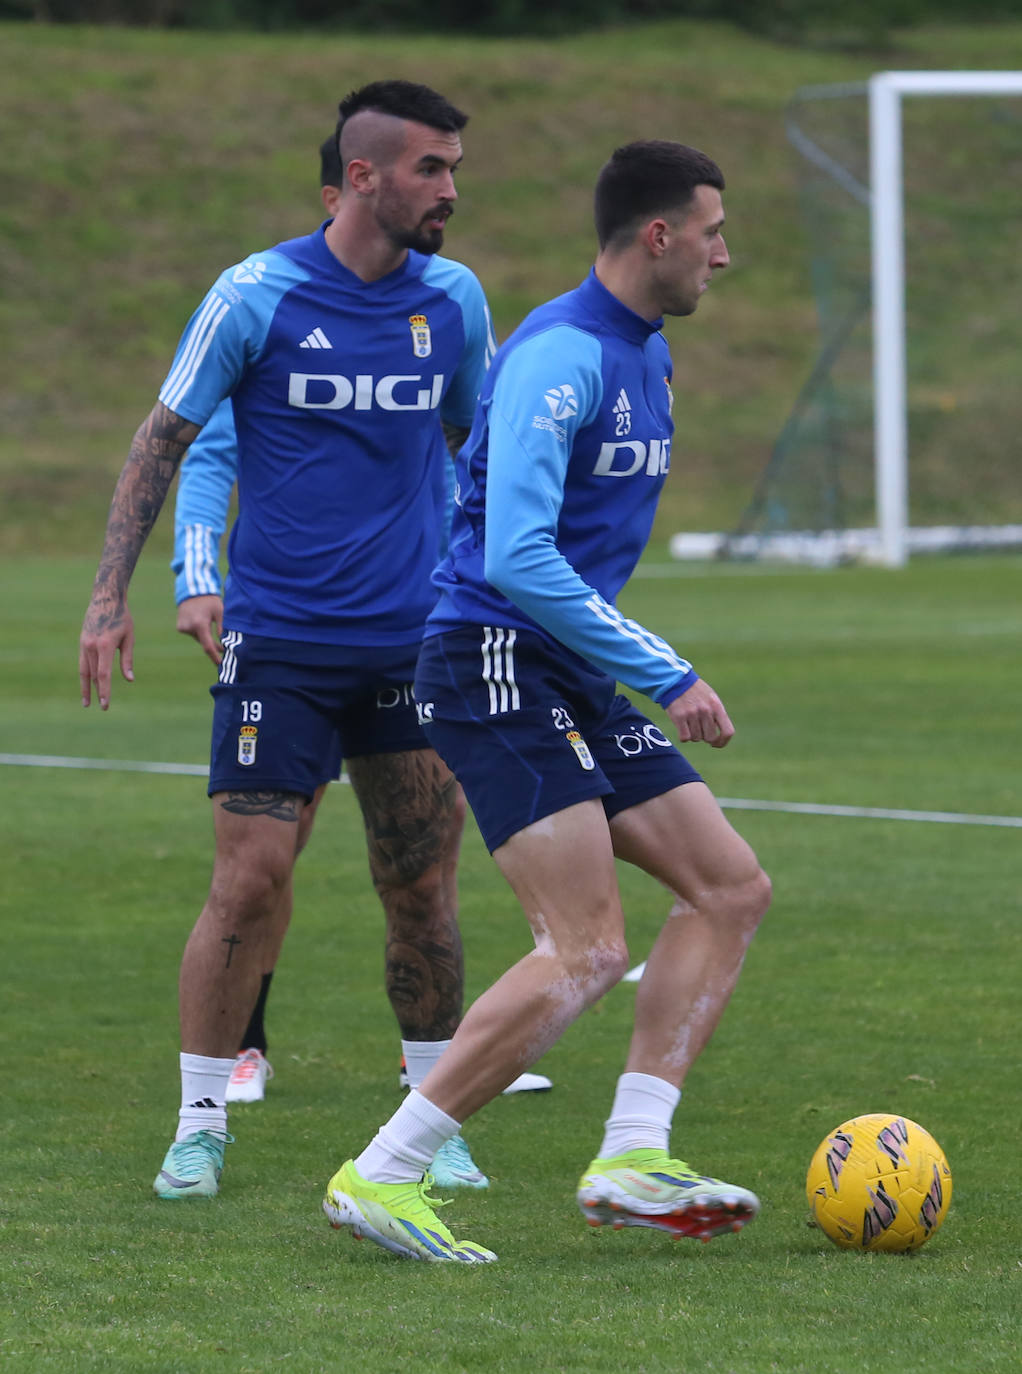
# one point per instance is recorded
(646, 1084)
(641, 1115)
(429, 1116)
(420, 1056)
(403, 1149)
(204, 1080)
(201, 1063)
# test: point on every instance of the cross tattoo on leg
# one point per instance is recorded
(230, 941)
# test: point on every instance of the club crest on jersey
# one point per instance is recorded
(422, 342)
(581, 749)
(247, 736)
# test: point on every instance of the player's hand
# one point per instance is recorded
(699, 714)
(202, 617)
(105, 632)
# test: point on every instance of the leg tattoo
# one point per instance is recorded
(281, 806)
(412, 812)
(230, 941)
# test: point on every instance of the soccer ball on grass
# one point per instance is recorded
(879, 1182)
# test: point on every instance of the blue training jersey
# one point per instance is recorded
(558, 485)
(337, 391)
(204, 488)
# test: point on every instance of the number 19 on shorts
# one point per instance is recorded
(248, 735)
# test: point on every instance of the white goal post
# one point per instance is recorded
(890, 540)
(890, 409)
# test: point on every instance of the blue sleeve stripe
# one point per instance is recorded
(648, 642)
(200, 337)
(201, 548)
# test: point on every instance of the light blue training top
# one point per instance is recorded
(558, 485)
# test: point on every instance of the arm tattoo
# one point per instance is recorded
(455, 436)
(280, 806)
(156, 451)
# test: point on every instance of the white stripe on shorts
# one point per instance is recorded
(498, 649)
(229, 663)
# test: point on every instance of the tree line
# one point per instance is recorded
(851, 21)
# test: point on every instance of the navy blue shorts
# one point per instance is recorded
(286, 713)
(528, 730)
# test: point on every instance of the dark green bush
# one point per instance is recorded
(790, 20)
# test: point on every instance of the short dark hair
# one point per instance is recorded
(331, 173)
(645, 179)
(405, 100)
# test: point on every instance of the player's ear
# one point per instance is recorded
(361, 175)
(331, 197)
(655, 235)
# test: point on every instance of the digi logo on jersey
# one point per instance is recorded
(632, 456)
(331, 391)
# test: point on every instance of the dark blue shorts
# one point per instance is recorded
(529, 730)
(286, 713)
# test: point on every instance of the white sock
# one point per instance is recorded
(203, 1094)
(420, 1056)
(640, 1118)
(403, 1149)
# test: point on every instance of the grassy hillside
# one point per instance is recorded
(137, 164)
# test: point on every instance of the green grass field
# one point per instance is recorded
(885, 978)
(136, 164)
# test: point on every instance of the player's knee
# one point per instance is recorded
(747, 901)
(597, 967)
(458, 813)
(612, 964)
(253, 891)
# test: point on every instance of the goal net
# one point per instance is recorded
(906, 434)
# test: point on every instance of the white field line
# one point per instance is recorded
(195, 770)
(874, 813)
(870, 813)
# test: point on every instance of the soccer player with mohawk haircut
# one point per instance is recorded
(344, 353)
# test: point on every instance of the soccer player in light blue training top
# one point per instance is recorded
(516, 688)
(204, 489)
(344, 353)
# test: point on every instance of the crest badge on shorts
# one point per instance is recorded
(422, 342)
(247, 745)
(581, 749)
